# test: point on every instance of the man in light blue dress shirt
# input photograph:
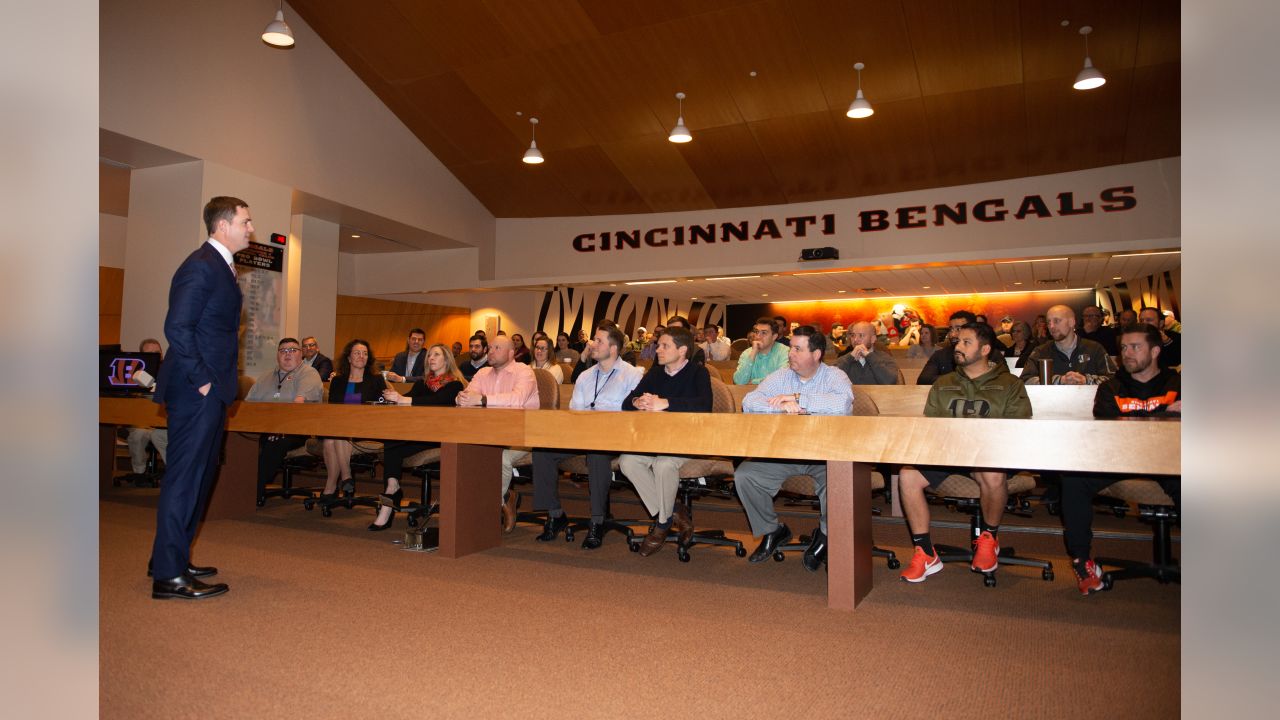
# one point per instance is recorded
(808, 386)
(603, 386)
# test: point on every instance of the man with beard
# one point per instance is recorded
(978, 388)
(478, 349)
(1141, 388)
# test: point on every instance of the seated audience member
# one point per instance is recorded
(139, 436)
(1126, 318)
(1020, 346)
(782, 329)
(1040, 331)
(1091, 319)
(942, 361)
(864, 364)
(505, 383)
(585, 360)
(806, 385)
(1140, 388)
(602, 387)
(764, 356)
(353, 384)
(715, 346)
(838, 340)
(478, 350)
(638, 341)
(519, 352)
(407, 365)
(564, 353)
(695, 352)
(534, 338)
(542, 359)
(978, 387)
(1006, 325)
(980, 318)
(439, 388)
(1076, 361)
(482, 334)
(650, 350)
(674, 384)
(1171, 323)
(925, 347)
(699, 336)
(1170, 341)
(290, 381)
(313, 358)
(457, 350)
(579, 341)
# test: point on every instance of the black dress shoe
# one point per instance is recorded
(594, 538)
(769, 543)
(185, 587)
(816, 553)
(552, 527)
(192, 570)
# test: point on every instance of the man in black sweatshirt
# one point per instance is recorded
(673, 384)
(1142, 388)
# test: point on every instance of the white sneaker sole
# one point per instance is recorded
(928, 570)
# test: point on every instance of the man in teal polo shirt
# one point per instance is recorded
(763, 357)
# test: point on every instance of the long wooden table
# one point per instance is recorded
(472, 440)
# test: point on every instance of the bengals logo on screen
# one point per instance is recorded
(123, 370)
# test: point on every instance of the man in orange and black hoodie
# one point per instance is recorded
(1141, 388)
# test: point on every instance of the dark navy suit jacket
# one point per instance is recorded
(203, 330)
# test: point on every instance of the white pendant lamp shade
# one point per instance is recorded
(680, 133)
(278, 33)
(1089, 76)
(859, 108)
(533, 155)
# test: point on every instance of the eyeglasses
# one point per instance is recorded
(289, 350)
(310, 345)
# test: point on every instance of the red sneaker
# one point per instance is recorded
(922, 565)
(986, 553)
(1091, 582)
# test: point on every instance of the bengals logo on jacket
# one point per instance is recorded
(1130, 405)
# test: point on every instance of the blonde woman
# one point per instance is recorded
(544, 360)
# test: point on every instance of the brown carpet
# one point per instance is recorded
(327, 620)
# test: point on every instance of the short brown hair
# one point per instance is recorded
(222, 207)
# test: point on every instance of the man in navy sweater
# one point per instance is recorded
(673, 384)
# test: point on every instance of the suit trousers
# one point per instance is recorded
(138, 439)
(758, 481)
(272, 450)
(656, 479)
(546, 480)
(1077, 507)
(195, 440)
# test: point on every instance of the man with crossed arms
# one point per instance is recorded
(806, 385)
(601, 387)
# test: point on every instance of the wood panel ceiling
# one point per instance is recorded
(965, 91)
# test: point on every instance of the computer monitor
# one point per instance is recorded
(117, 368)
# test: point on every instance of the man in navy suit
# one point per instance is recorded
(407, 366)
(197, 382)
(312, 356)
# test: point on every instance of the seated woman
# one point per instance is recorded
(353, 384)
(564, 353)
(1022, 345)
(924, 346)
(439, 386)
(543, 360)
(520, 349)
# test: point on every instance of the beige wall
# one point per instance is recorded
(195, 77)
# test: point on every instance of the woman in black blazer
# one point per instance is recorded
(353, 384)
(439, 387)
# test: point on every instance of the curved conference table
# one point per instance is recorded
(472, 440)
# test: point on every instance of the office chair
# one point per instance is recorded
(1157, 509)
(364, 458)
(296, 459)
(960, 492)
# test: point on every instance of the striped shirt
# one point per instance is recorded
(828, 392)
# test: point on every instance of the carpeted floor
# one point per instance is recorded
(327, 620)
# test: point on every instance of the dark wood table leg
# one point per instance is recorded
(848, 534)
(106, 457)
(470, 485)
(235, 489)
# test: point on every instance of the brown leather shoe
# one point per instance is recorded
(682, 523)
(509, 511)
(654, 540)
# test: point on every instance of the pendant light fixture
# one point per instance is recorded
(859, 108)
(278, 33)
(533, 155)
(680, 133)
(1089, 77)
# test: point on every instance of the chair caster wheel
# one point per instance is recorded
(260, 502)
(683, 554)
(1107, 581)
(894, 563)
(989, 580)
(327, 512)
(1047, 575)
(740, 551)
(413, 521)
(633, 547)
(778, 557)
(308, 504)
(568, 536)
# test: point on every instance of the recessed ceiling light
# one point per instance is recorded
(1017, 283)
(1117, 277)
(764, 294)
(695, 297)
(842, 291)
(355, 236)
(925, 287)
(734, 277)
